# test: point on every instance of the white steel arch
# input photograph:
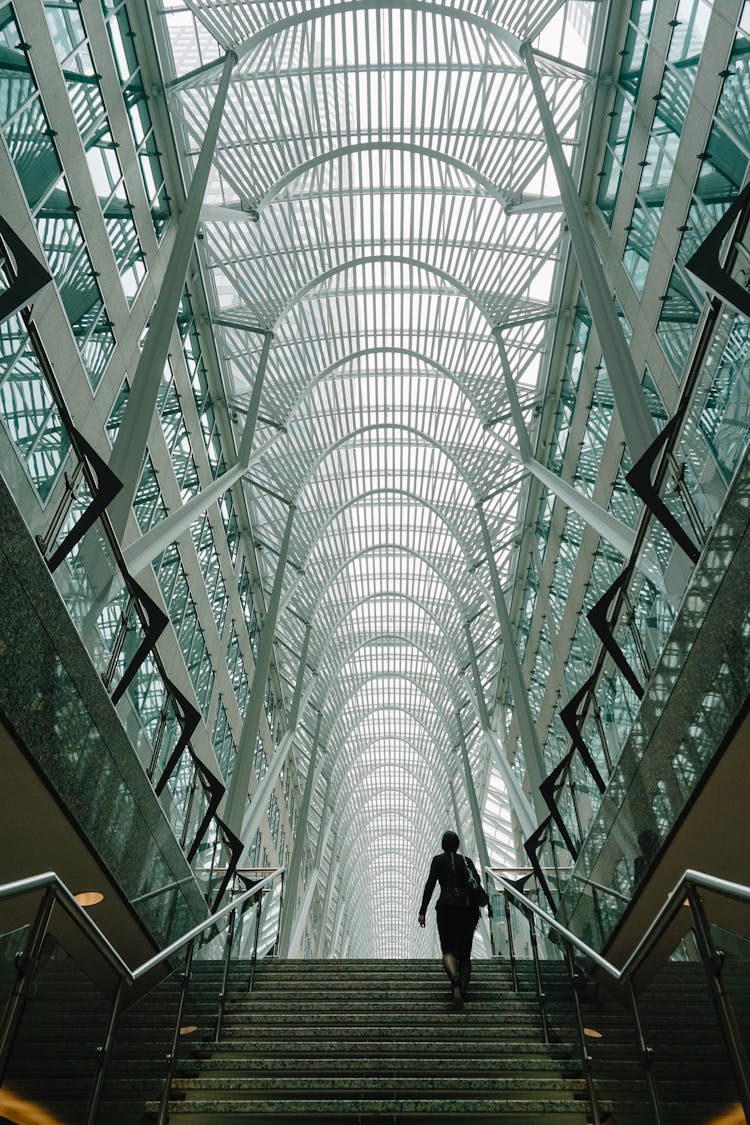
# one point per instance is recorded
(381, 198)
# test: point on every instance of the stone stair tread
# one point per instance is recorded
(399, 1048)
(394, 1009)
(429, 1083)
(343, 1114)
(334, 1066)
(412, 1023)
(399, 1106)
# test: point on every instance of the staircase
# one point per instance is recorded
(328, 1041)
(365, 1042)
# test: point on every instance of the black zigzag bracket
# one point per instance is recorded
(29, 274)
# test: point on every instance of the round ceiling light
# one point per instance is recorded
(88, 898)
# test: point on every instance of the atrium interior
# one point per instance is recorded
(374, 413)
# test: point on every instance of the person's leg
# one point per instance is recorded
(464, 958)
(448, 943)
(464, 975)
(450, 964)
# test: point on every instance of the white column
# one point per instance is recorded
(611, 529)
(476, 816)
(532, 751)
(338, 922)
(518, 800)
(301, 917)
(291, 881)
(482, 847)
(454, 802)
(632, 408)
(130, 445)
(254, 815)
(333, 875)
(238, 792)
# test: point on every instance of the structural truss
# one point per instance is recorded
(382, 202)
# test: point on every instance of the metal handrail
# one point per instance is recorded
(66, 898)
(688, 884)
(78, 915)
(56, 891)
(531, 870)
(689, 880)
(196, 931)
(599, 886)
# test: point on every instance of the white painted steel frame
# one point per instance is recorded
(381, 200)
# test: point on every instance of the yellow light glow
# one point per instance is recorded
(734, 1116)
(22, 1112)
(88, 898)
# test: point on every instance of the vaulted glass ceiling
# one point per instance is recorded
(381, 200)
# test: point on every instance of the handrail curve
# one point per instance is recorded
(55, 891)
(690, 879)
(66, 898)
(689, 884)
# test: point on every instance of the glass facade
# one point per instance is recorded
(30, 145)
(84, 91)
(125, 55)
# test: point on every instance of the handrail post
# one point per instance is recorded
(511, 945)
(225, 976)
(277, 941)
(540, 994)
(27, 964)
(647, 1054)
(172, 1056)
(254, 956)
(713, 963)
(103, 1056)
(575, 984)
(598, 914)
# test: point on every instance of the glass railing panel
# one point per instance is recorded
(595, 736)
(91, 585)
(270, 911)
(691, 1067)
(589, 1015)
(138, 1065)
(692, 703)
(733, 949)
(163, 907)
(13, 941)
(600, 909)
(53, 1062)
(143, 710)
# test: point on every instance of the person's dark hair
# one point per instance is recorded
(450, 842)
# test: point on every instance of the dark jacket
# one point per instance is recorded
(448, 869)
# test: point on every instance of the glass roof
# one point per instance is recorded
(381, 200)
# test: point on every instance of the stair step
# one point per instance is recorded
(401, 1107)
(528, 1065)
(406, 1048)
(352, 1113)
